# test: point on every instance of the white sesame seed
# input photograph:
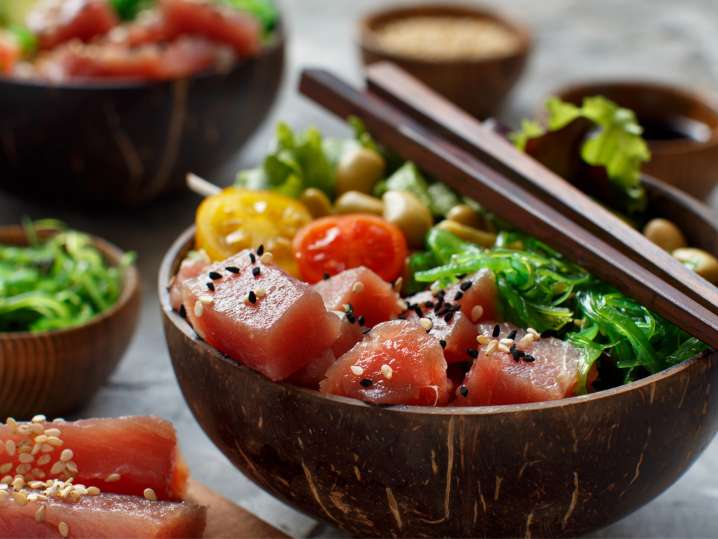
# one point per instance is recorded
(483, 339)
(426, 323)
(386, 371)
(52, 432)
(112, 478)
(93, 491)
(38, 473)
(44, 459)
(41, 438)
(260, 292)
(357, 370)
(4, 495)
(19, 497)
(23, 429)
(64, 529)
(55, 441)
(506, 342)
(205, 299)
(503, 348)
(11, 424)
(525, 341)
(476, 313)
(358, 287)
(266, 258)
(39, 419)
(66, 455)
(25, 458)
(36, 484)
(198, 309)
(40, 514)
(5, 468)
(60, 419)
(150, 494)
(57, 468)
(533, 332)
(402, 305)
(22, 469)
(10, 447)
(47, 448)
(398, 284)
(18, 483)
(6, 480)
(36, 428)
(72, 467)
(493, 344)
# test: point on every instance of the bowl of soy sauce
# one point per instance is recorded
(680, 126)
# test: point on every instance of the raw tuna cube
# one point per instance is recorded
(58, 21)
(218, 23)
(477, 290)
(259, 315)
(101, 516)
(544, 369)
(369, 295)
(190, 267)
(396, 363)
(123, 455)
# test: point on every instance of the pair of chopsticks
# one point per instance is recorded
(423, 127)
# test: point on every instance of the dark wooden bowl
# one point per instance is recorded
(56, 372)
(689, 165)
(478, 86)
(128, 143)
(554, 469)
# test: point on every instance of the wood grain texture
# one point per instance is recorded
(226, 520)
(478, 86)
(429, 108)
(128, 143)
(555, 469)
(520, 207)
(56, 372)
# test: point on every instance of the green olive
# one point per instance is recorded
(358, 170)
(465, 215)
(316, 202)
(703, 263)
(411, 216)
(665, 234)
(468, 233)
(356, 202)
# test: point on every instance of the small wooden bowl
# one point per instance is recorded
(478, 86)
(553, 469)
(688, 164)
(115, 143)
(56, 372)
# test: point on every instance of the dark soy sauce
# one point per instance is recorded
(674, 128)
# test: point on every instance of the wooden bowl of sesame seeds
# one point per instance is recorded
(552, 469)
(56, 372)
(471, 55)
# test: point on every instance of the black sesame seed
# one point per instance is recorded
(260, 250)
(417, 310)
(232, 269)
(215, 276)
(458, 295)
(465, 285)
(461, 276)
(516, 353)
(473, 352)
(429, 304)
(365, 382)
(350, 316)
(439, 304)
(528, 358)
(448, 316)
(361, 320)
(256, 270)
(182, 311)
(442, 343)
(464, 391)
(252, 297)
(497, 331)
(325, 276)
(440, 293)
(513, 333)
(252, 258)
(366, 330)
(210, 285)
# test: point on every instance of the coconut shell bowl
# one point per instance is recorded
(554, 469)
(113, 143)
(56, 372)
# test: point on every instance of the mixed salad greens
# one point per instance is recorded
(55, 283)
(538, 287)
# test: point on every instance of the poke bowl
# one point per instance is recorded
(372, 467)
(125, 134)
(59, 370)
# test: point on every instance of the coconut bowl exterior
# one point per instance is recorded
(114, 143)
(554, 469)
(56, 372)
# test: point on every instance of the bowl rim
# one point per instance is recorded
(277, 42)
(130, 288)
(653, 86)
(183, 243)
(367, 34)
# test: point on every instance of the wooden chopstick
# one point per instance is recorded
(499, 194)
(412, 97)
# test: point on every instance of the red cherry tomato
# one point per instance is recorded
(335, 243)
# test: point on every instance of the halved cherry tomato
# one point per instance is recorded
(335, 243)
(237, 219)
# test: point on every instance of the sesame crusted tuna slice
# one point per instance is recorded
(257, 314)
(124, 455)
(100, 516)
(368, 295)
(395, 363)
(515, 366)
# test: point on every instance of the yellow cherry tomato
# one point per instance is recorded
(237, 219)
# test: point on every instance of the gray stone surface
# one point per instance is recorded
(660, 39)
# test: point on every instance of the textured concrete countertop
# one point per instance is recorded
(660, 39)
